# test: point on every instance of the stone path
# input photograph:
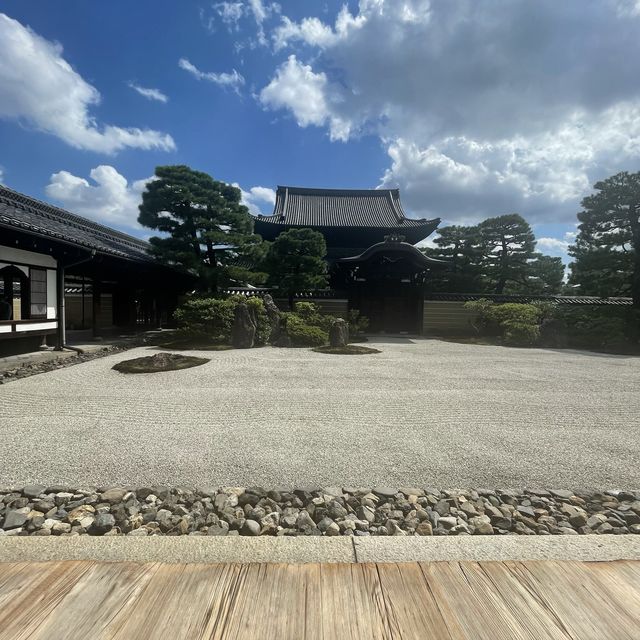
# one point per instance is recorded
(421, 413)
(440, 600)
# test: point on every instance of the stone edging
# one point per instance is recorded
(33, 368)
(311, 511)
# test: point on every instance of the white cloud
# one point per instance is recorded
(258, 199)
(150, 94)
(233, 13)
(262, 12)
(1, 175)
(297, 88)
(483, 108)
(110, 200)
(553, 245)
(230, 13)
(231, 80)
(39, 87)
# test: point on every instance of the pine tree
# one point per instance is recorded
(207, 228)
(508, 247)
(295, 262)
(460, 248)
(607, 249)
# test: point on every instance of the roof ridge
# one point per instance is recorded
(44, 208)
(335, 192)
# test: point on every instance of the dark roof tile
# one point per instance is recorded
(373, 208)
(19, 211)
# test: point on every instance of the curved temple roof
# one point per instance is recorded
(342, 208)
(21, 212)
(391, 246)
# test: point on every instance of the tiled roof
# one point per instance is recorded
(377, 208)
(21, 212)
(568, 300)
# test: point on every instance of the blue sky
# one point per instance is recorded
(471, 109)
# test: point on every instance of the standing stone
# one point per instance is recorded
(283, 339)
(243, 332)
(339, 333)
(273, 313)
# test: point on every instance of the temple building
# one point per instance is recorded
(370, 249)
(59, 271)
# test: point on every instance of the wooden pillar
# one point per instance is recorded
(62, 329)
(95, 300)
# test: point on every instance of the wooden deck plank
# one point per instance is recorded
(524, 604)
(180, 601)
(411, 604)
(587, 610)
(479, 612)
(272, 603)
(440, 600)
(35, 592)
(102, 594)
(352, 605)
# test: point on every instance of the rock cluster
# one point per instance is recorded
(253, 511)
(33, 368)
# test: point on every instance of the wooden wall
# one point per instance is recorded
(444, 317)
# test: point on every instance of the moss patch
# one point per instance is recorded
(347, 350)
(159, 362)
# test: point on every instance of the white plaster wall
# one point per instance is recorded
(52, 298)
(9, 254)
(36, 326)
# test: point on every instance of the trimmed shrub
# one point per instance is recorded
(310, 314)
(303, 334)
(520, 334)
(211, 319)
(598, 328)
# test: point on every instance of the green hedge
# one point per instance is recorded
(303, 334)
(608, 328)
(212, 318)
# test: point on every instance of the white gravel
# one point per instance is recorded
(421, 413)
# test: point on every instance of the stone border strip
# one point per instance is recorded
(38, 510)
(244, 550)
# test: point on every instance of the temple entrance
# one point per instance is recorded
(392, 307)
(386, 284)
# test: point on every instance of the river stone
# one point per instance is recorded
(563, 494)
(243, 332)
(424, 529)
(385, 492)
(33, 490)
(15, 518)
(103, 522)
(250, 528)
(113, 495)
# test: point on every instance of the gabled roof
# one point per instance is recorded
(23, 213)
(392, 246)
(372, 208)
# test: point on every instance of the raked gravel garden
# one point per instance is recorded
(291, 442)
